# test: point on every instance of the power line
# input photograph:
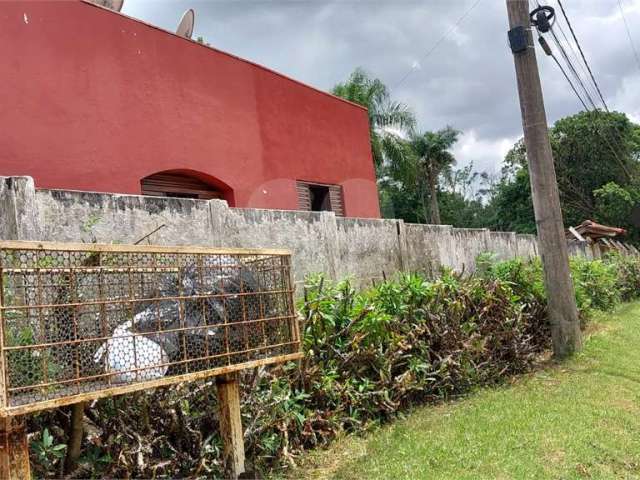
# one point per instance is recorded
(565, 55)
(569, 81)
(595, 110)
(580, 61)
(571, 67)
(438, 42)
(626, 26)
(584, 59)
(619, 139)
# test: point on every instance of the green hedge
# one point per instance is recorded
(368, 356)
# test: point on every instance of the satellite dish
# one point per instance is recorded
(115, 5)
(185, 27)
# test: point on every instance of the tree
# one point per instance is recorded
(431, 157)
(400, 200)
(591, 150)
(405, 193)
(460, 211)
(512, 206)
(460, 195)
(614, 205)
(388, 119)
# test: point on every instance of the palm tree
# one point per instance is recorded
(428, 157)
(385, 115)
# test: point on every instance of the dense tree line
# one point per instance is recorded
(597, 157)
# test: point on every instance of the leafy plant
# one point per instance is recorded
(369, 355)
(47, 452)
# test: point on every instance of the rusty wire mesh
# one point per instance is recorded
(87, 320)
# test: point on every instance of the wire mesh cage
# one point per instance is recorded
(85, 321)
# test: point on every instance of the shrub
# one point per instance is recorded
(595, 283)
(628, 275)
(368, 355)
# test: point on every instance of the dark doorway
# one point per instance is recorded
(319, 198)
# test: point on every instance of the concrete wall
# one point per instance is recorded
(69, 216)
(365, 249)
(309, 235)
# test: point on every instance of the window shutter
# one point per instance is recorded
(319, 197)
(175, 185)
(335, 199)
(304, 196)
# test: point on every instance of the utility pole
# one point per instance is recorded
(563, 313)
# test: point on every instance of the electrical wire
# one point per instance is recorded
(439, 42)
(595, 110)
(572, 67)
(607, 140)
(584, 59)
(569, 81)
(565, 55)
(618, 138)
(581, 65)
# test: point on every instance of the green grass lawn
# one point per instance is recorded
(578, 420)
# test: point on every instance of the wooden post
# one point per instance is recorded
(231, 423)
(74, 434)
(14, 449)
(563, 313)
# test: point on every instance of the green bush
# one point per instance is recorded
(599, 284)
(628, 275)
(369, 355)
(595, 283)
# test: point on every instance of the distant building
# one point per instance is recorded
(94, 100)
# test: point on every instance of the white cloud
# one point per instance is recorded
(485, 155)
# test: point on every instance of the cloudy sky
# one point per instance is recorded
(468, 81)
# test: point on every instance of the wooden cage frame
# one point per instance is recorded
(7, 410)
(14, 454)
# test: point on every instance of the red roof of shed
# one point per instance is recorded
(594, 230)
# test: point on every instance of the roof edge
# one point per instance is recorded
(231, 55)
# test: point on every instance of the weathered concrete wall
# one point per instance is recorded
(580, 250)
(69, 216)
(367, 249)
(310, 236)
(364, 249)
(18, 209)
(526, 246)
(504, 244)
(431, 246)
(427, 247)
(467, 244)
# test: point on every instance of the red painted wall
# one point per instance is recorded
(93, 100)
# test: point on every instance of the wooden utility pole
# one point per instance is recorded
(563, 313)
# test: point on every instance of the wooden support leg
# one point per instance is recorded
(231, 424)
(76, 430)
(14, 449)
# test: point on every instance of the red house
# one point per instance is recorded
(94, 100)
